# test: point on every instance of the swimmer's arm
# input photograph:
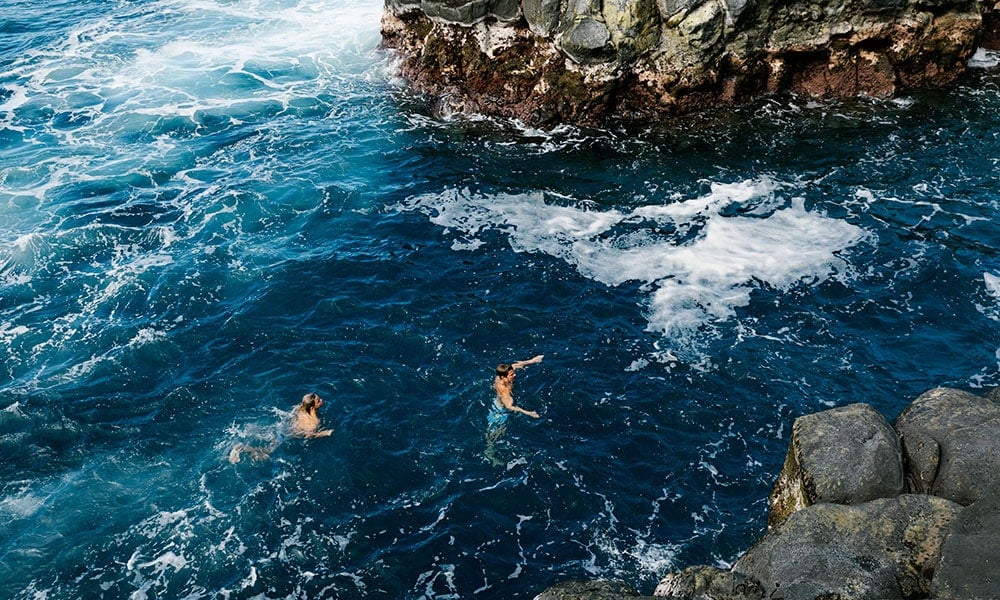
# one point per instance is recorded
(314, 434)
(524, 363)
(530, 413)
(508, 403)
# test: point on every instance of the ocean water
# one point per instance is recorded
(211, 207)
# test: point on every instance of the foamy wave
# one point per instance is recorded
(21, 505)
(984, 59)
(655, 559)
(699, 262)
(179, 64)
(992, 284)
(991, 310)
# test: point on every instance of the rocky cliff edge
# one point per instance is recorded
(867, 511)
(588, 61)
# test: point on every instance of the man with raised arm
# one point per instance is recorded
(503, 404)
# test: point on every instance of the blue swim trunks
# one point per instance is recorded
(497, 416)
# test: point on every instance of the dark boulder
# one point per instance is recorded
(845, 455)
(886, 549)
(970, 558)
(709, 583)
(951, 444)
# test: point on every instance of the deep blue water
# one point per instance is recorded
(211, 207)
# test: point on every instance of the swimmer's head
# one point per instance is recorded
(311, 401)
(504, 370)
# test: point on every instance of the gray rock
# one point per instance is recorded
(709, 583)
(921, 455)
(575, 11)
(886, 549)
(993, 394)
(587, 41)
(470, 12)
(542, 15)
(735, 8)
(589, 590)
(702, 27)
(675, 9)
(951, 441)
(845, 455)
(634, 25)
(970, 557)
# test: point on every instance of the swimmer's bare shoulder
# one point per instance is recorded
(305, 418)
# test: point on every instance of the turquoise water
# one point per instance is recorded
(209, 208)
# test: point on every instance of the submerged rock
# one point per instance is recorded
(544, 61)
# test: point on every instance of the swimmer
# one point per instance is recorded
(304, 423)
(503, 404)
(305, 418)
(503, 385)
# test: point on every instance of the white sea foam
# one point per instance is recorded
(655, 559)
(984, 59)
(9, 333)
(992, 284)
(698, 275)
(187, 61)
(20, 505)
(991, 308)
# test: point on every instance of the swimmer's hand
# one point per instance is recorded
(530, 361)
(530, 413)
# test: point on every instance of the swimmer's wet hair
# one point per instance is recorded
(503, 369)
(309, 400)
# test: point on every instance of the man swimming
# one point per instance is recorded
(305, 418)
(304, 423)
(503, 385)
(503, 404)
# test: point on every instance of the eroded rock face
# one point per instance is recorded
(544, 61)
